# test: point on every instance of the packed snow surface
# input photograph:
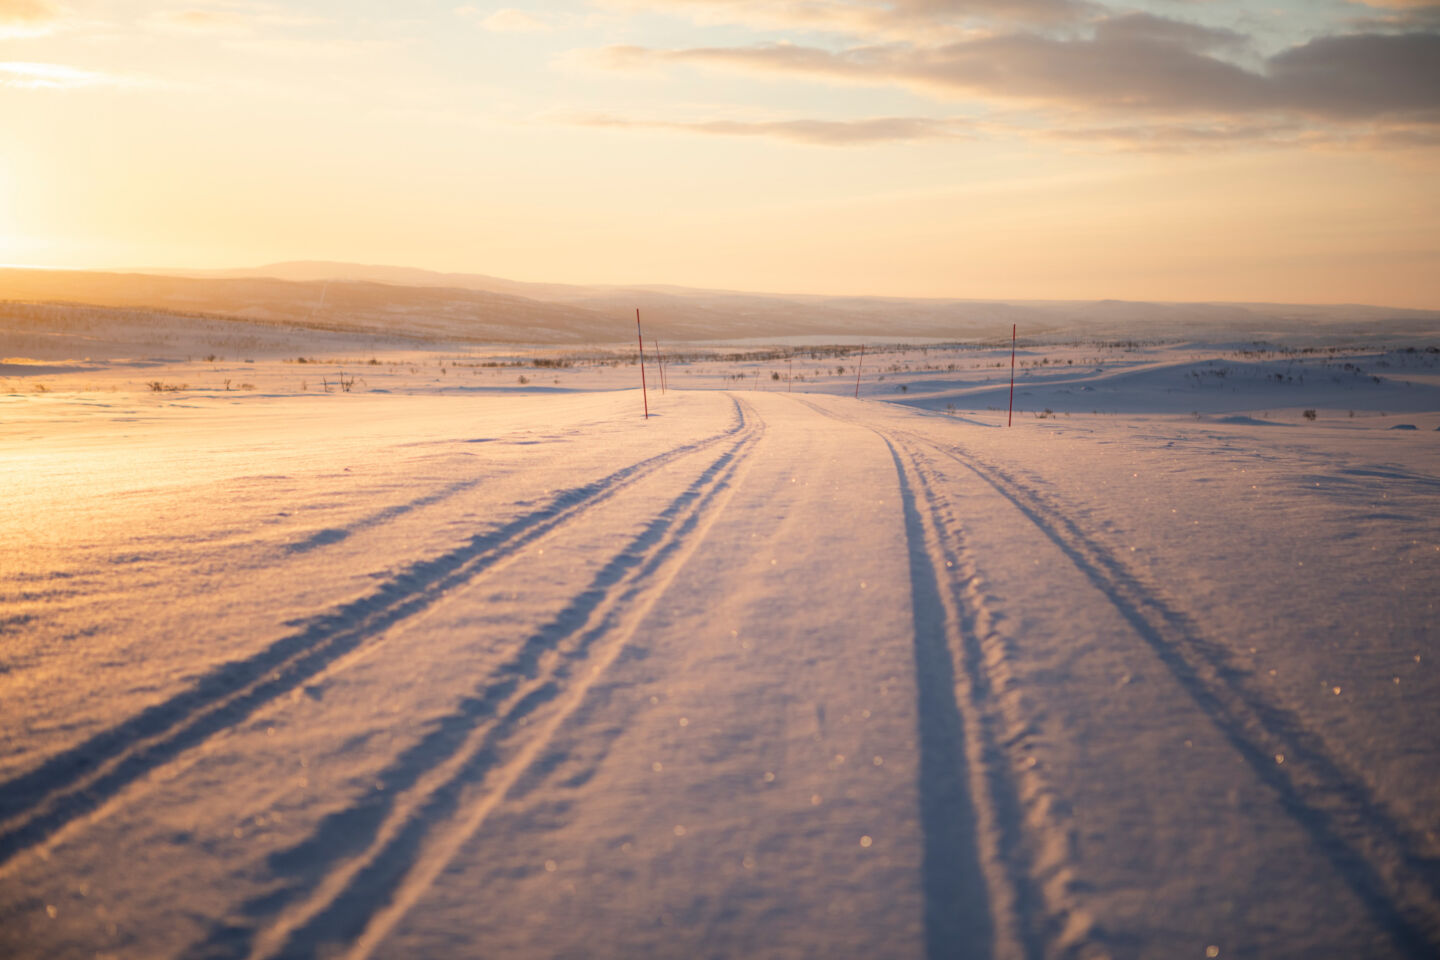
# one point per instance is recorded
(459, 654)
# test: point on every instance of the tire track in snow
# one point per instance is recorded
(957, 901)
(37, 805)
(1373, 853)
(349, 883)
(972, 728)
(1024, 843)
(331, 535)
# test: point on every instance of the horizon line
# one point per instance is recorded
(171, 272)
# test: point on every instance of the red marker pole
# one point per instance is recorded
(1010, 421)
(857, 371)
(641, 339)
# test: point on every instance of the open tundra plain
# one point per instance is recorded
(315, 643)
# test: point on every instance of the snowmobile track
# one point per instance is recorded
(345, 886)
(37, 805)
(1372, 851)
(972, 897)
(971, 772)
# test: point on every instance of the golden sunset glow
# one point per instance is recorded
(1230, 150)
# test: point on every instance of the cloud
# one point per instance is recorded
(1403, 137)
(232, 18)
(1156, 137)
(1362, 75)
(27, 18)
(874, 19)
(513, 21)
(202, 21)
(1183, 138)
(27, 11)
(830, 133)
(1400, 14)
(317, 49)
(1280, 134)
(505, 20)
(1144, 28)
(54, 76)
(1131, 64)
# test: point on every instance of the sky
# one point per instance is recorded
(1240, 150)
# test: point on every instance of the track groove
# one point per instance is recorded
(348, 883)
(1033, 916)
(964, 903)
(962, 673)
(1371, 850)
(38, 805)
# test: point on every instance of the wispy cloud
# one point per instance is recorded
(55, 76)
(507, 20)
(202, 21)
(868, 131)
(28, 18)
(27, 11)
(1084, 75)
(877, 19)
(1187, 138)
(263, 28)
(1399, 14)
(1130, 64)
(1152, 137)
(229, 17)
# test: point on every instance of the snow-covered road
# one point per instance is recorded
(767, 675)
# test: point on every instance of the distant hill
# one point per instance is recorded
(309, 270)
(464, 307)
(431, 313)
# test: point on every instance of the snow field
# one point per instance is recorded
(772, 674)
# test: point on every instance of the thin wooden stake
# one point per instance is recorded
(660, 358)
(1010, 421)
(857, 371)
(644, 392)
(790, 375)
